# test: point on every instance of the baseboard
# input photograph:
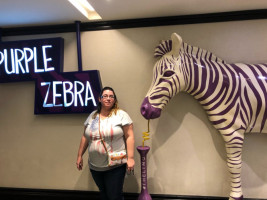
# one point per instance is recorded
(7, 193)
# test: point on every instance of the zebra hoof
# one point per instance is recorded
(236, 198)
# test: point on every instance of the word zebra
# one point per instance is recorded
(233, 95)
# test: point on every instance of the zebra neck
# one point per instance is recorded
(203, 79)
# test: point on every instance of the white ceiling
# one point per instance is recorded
(17, 13)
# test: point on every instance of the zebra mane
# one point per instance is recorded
(166, 46)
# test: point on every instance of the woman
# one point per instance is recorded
(116, 129)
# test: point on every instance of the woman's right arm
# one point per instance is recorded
(82, 149)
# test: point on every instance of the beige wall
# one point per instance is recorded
(187, 155)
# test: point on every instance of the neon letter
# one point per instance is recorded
(3, 57)
(55, 94)
(35, 62)
(27, 59)
(78, 93)
(89, 91)
(47, 59)
(18, 61)
(45, 105)
(12, 63)
(68, 91)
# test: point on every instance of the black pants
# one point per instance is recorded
(110, 183)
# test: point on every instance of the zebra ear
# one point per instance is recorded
(176, 44)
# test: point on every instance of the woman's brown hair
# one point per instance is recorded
(115, 106)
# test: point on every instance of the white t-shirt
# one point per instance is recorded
(112, 134)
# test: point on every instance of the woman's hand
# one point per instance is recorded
(130, 165)
(82, 148)
(129, 137)
(79, 163)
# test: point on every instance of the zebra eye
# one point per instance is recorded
(168, 73)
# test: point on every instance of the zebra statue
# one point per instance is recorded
(233, 95)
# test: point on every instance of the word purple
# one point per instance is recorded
(17, 61)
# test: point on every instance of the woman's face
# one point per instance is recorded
(107, 99)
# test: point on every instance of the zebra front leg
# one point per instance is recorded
(234, 144)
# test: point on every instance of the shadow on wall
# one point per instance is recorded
(131, 183)
(85, 180)
(176, 113)
(182, 116)
(254, 160)
(203, 147)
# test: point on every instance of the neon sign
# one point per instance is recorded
(69, 92)
(74, 98)
(22, 60)
(55, 91)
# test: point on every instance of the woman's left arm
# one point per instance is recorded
(129, 137)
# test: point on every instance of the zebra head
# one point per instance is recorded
(168, 78)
